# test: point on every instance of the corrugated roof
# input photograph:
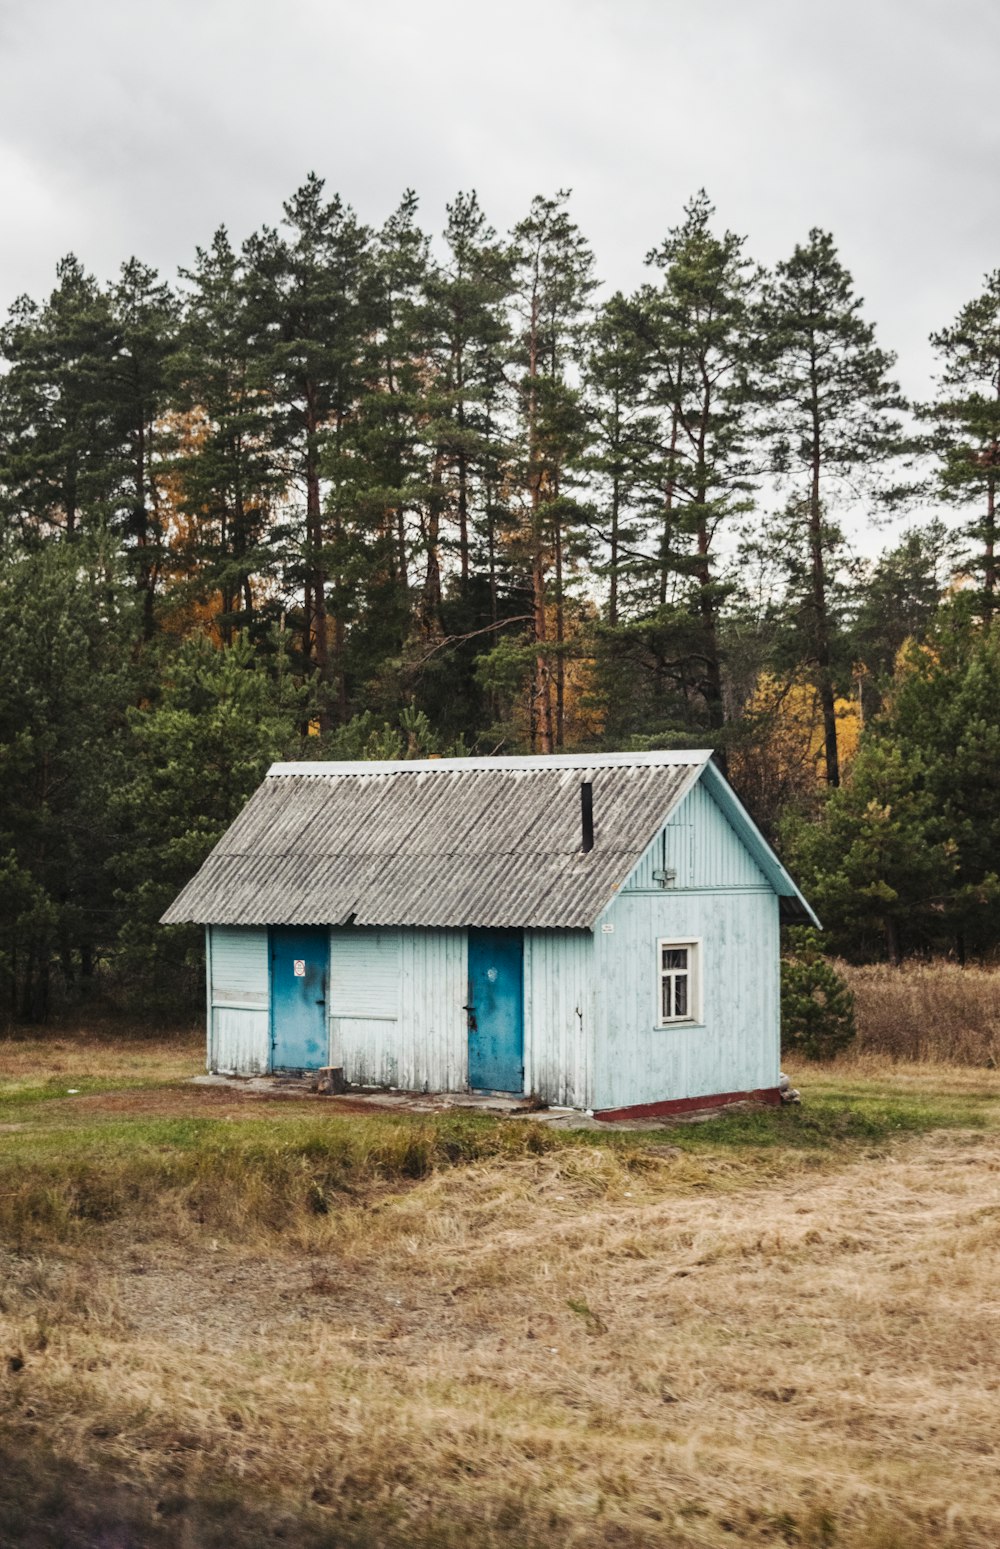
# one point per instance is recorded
(437, 842)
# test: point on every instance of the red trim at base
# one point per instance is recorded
(675, 1105)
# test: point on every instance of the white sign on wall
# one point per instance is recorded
(299, 967)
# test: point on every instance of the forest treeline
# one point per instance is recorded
(350, 491)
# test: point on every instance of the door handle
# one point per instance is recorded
(321, 1003)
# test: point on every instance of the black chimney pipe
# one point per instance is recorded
(587, 815)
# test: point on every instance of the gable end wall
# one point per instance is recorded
(722, 899)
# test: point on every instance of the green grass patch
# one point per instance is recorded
(834, 1114)
(69, 1170)
(232, 1177)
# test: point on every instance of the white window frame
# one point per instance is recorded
(692, 945)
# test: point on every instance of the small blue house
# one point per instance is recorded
(597, 930)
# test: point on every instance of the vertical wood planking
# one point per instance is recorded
(737, 1046)
(699, 845)
(396, 1008)
(559, 1020)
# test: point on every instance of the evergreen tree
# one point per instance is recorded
(467, 594)
(145, 311)
(817, 1007)
(944, 709)
(875, 863)
(697, 326)
(833, 418)
(896, 600)
(57, 432)
(467, 297)
(554, 280)
(396, 495)
(308, 324)
(67, 631)
(193, 760)
(622, 434)
(228, 481)
(965, 416)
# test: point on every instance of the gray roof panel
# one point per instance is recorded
(448, 842)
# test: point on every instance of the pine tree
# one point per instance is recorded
(67, 636)
(58, 449)
(895, 602)
(833, 420)
(228, 481)
(875, 863)
(965, 416)
(145, 312)
(467, 296)
(621, 436)
(397, 492)
(697, 326)
(554, 280)
(817, 1007)
(308, 325)
(944, 710)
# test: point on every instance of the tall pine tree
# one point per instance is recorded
(833, 418)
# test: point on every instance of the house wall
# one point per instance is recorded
(396, 1008)
(720, 897)
(700, 847)
(418, 1038)
(559, 1016)
(239, 1026)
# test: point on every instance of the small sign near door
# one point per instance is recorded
(299, 967)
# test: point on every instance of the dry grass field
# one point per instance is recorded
(928, 1011)
(228, 1321)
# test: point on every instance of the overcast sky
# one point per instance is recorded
(135, 126)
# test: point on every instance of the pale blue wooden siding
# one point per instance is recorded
(396, 1008)
(412, 1032)
(239, 1029)
(701, 848)
(363, 1005)
(559, 1016)
(736, 1046)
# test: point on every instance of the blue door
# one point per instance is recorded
(298, 998)
(496, 1011)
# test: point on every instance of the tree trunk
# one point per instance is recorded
(542, 696)
(989, 543)
(430, 602)
(821, 624)
(463, 477)
(668, 508)
(314, 540)
(615, 516)
(560, 638)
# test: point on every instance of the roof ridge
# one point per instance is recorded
(539, 762)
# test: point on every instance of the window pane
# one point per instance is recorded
(681, 996)
(675, 957)
(667, 1007)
